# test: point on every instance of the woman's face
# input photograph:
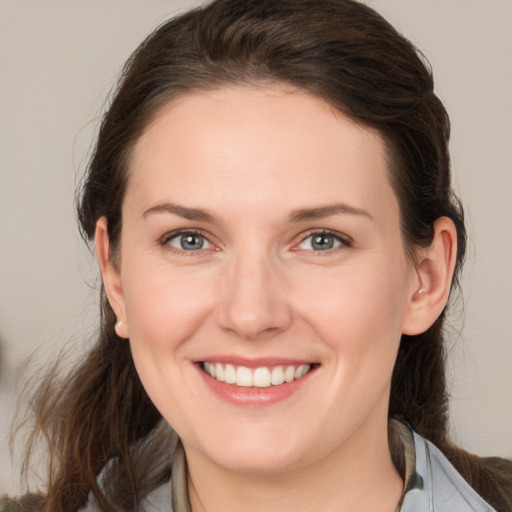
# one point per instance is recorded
(261, 238)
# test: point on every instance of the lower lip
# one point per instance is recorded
(253, 396)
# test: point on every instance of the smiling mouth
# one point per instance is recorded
(262, 377)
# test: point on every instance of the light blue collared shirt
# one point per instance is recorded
(438, 486)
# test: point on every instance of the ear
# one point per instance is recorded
(434, 272)
(111, 276)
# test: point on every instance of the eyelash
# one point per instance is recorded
(164, 241)
(344, 241)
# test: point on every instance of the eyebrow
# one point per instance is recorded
(182, 211)
(298, 215)
(320, 212)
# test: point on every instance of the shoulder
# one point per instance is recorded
(155, 461)
(158, 500)
(438, 485)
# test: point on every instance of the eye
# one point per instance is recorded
(322, 241)
(188, 241)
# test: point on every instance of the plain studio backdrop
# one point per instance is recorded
(59, 60)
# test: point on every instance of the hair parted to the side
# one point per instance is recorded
(340, 51)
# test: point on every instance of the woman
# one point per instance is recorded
(271, 208)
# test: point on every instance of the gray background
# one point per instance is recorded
(59, 59)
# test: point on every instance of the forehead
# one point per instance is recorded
(250, 146)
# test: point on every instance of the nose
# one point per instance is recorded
(254, 303)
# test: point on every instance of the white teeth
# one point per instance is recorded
(277, 377)
(208, 367)
(230, 374)
(289, 374)
(262, 377)
(219, 372)
(299, 372)
(243, 377)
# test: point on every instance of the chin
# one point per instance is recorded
(257, 461)
(260, 452)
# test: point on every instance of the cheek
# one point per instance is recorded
(164, 308)
(369, 295)
(164, 312)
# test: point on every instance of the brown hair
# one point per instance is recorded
(341, 51)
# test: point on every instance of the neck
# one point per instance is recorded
(357, 476)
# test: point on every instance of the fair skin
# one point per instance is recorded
(260, 231)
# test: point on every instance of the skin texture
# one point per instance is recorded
(251, 158)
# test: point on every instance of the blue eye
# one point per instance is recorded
(322, 241)
(188, 241)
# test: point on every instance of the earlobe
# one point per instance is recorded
(111, 276)
(434, 270)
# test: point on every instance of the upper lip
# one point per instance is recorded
(255, 362)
